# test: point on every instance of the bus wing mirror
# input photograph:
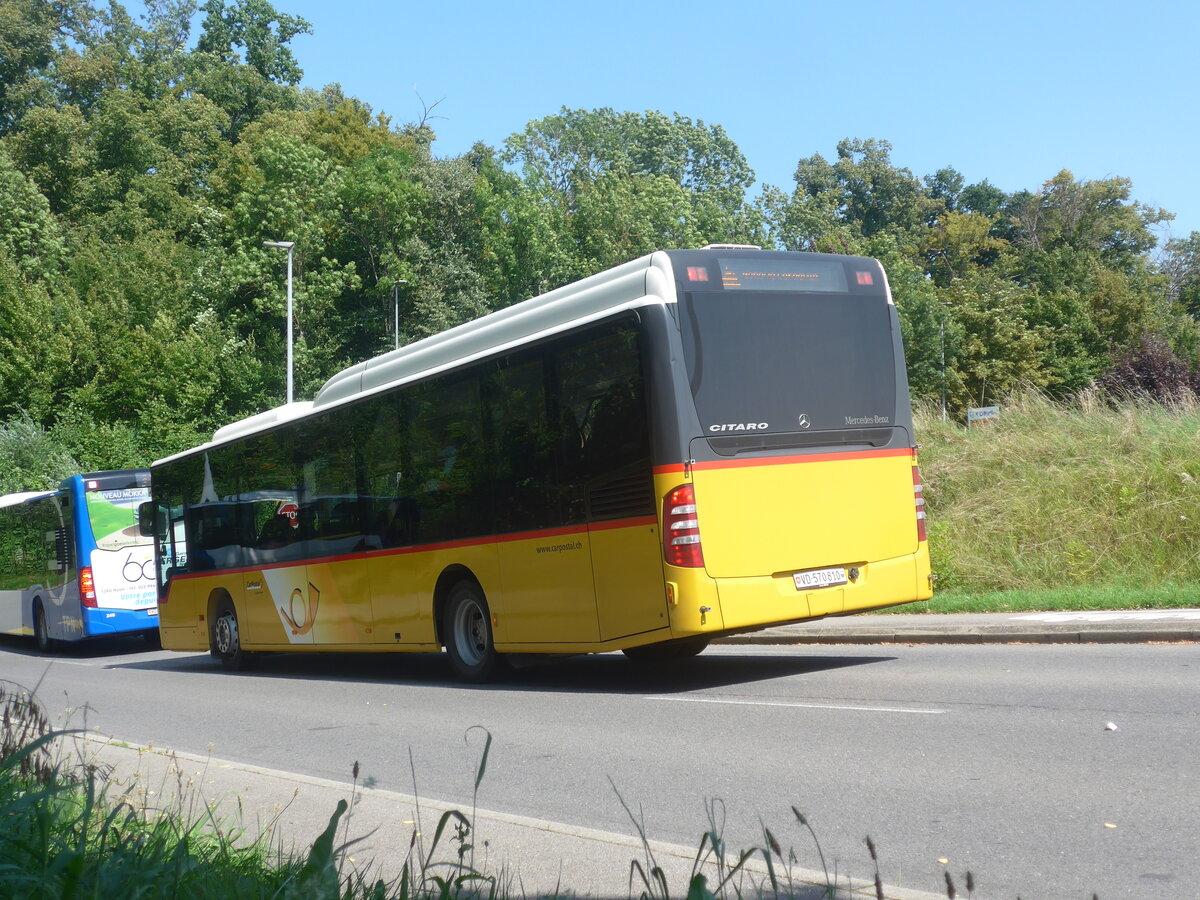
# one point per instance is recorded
(148, 519)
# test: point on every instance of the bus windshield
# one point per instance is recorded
(774, 361)
(112, 504)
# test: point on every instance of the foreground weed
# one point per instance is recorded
(24, 735)
(732, 876)
(447, 879)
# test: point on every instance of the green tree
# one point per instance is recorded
(32, 35)
(1181, 263)
(1089, 217)
(31, 459)
(577, 159)
(261, 33)
(41, 325)
(957, 243)
(54, 151)
(28, 232)
(863, 190)
(999, 349)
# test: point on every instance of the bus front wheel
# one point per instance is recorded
(224, 639)
(468, 632)
(41, 629)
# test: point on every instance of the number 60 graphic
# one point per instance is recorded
(134, 571)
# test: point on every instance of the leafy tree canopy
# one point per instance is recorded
(140, 175)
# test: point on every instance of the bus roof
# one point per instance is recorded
(648, 280)
(640, 282)
(22, 497)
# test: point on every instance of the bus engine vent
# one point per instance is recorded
(621, 497)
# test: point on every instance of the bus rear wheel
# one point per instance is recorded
(667, 651)
(41, 629)
(468, 634)
(224, 639)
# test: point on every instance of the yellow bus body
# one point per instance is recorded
(606, 587)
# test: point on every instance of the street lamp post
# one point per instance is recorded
(287, 245)
(396, 303)
(942, 337)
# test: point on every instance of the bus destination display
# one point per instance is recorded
(783, 275)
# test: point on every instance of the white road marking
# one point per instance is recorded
(77, 662)
(795, 705)
(1125, 616)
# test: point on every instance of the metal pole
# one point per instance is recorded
(396, 301)
(289, 323)
(287, 245)
(942, 335)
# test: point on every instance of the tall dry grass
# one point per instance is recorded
(1064, 494)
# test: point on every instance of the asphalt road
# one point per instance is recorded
(992, 758)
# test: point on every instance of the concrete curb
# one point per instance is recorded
(1102, 627)
(994, 637)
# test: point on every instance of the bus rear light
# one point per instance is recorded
(919, 497)
(87, 588)
(681, 529)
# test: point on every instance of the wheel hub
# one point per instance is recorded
(473, 631)
(227, 635)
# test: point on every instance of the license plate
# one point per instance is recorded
(819, 578)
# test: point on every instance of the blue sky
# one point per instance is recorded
(1011, 92)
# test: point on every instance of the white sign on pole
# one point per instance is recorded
(982, 414)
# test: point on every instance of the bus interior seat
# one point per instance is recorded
(276, 532)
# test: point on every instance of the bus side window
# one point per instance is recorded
(391, 517)
(276, 532)
(330, 509)
(614, 428)
(601, 388)
(447, 464)
(523, 466)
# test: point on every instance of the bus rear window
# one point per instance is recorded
(113, 514)
(766, 362)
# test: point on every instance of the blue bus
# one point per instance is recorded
(72, 563)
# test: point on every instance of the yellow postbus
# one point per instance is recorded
(693, 444)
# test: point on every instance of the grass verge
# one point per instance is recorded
(1069, 599)
(1058, 496)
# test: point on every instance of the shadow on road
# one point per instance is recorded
(607, 673)
(92, 648)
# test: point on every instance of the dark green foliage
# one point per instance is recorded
(31, 459)
(1044, 288)
(68, 833)
(140, 176)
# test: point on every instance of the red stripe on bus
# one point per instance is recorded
(623, 523)
(678, 468)
(429, 548)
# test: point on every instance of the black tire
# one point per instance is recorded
(467, 630)
(667, 651)
(41, 630)
(224, 639)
